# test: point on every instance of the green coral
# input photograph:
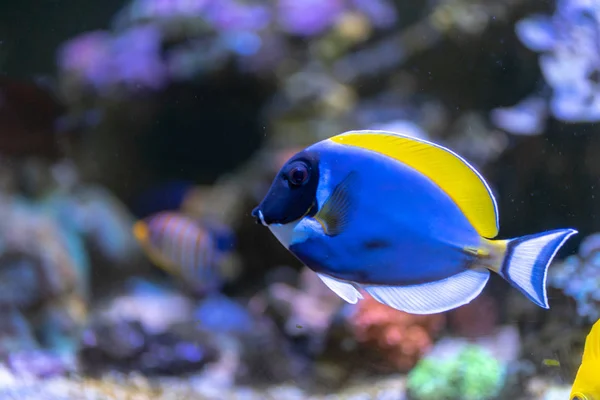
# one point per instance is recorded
(431, 380)
(473, 374)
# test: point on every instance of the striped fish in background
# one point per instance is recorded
(183, 247)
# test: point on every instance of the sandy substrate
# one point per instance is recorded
(136, 387)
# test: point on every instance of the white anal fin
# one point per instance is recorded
(433, 297)
(343, 289)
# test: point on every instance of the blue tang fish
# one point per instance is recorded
(408, 221)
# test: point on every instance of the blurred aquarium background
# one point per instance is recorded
(125, 121)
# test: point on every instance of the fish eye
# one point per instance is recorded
(297, 173)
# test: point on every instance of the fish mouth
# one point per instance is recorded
(258, 215)
(261, 218)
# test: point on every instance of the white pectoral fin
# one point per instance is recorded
(433, 297)
(345, 290)
(297, 231)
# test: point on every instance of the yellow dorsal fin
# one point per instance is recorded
(445, 168)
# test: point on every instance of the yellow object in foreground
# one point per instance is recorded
(587, 381)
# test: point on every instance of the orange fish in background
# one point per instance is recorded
(183, 247)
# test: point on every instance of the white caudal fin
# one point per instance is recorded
(526, 262)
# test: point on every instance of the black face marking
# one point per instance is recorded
(376, 244)
(293, 192)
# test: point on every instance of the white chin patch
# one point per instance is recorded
(284, 233)
(261, 217)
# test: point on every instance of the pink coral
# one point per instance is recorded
(476, 319)
(400, 338)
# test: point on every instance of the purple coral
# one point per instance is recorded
(137, 60)
(86, 56)
(577, 276)
(570, 63)
(158, 10)
(132, 58)
(381, 12)
(308, 17)
(151, 9)
(526, 118)
(226, 15)
(155, 41)
(221, 14)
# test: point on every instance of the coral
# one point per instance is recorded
(308, 309)
(472, 375)
(308, 17)
(102, 219)
(400, 338)
(152, 328)
(218, 313)
(569, 61)
(43, 293)
(44, 265)
(124, 345)
(482, 376)
(154, 42)
(578, 277)
(303, 309)
(475, 319)
(146, 302)
(94, 226)
(269, 357)
(528, 117)
(45, 268)
(101, 61)
(148, 328)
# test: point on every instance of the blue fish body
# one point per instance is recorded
(404, 229)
